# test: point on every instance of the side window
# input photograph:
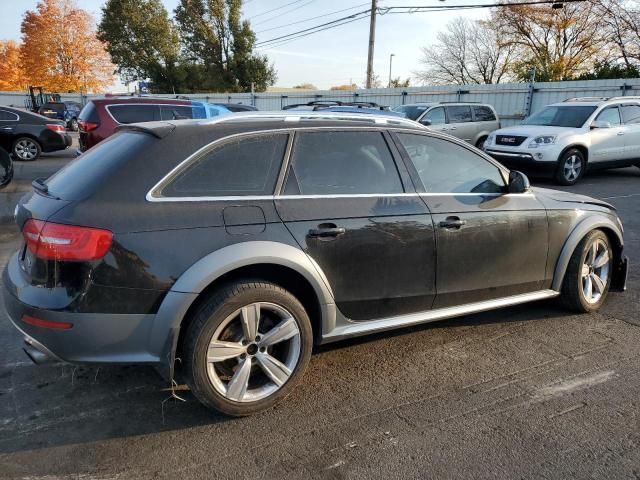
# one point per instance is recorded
(334, 163)
(436, 116)
(176, 112)
(459, 113)
(445, 167)
(611, 115)
(631, 113)
(243, 166)
(134, 113)
(483, 113)
(8, 116)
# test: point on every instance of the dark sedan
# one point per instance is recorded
(26, 135)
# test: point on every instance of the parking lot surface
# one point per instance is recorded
(524, 392)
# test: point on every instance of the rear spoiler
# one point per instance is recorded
(157, 129)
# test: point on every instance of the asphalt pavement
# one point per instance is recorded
(524, 392)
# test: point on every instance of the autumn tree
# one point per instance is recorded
(11, 74)
(466, 52)
(218, 47)
(621, 22)
(306, 86)
(142, 42)
(559, 43)
(60, 50)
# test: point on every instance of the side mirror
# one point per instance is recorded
(600, 124)
(425, 122)
(6, 168)
(518, 182)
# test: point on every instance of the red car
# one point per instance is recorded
(99, 118)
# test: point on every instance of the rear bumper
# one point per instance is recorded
(523, 161)
(93, 338)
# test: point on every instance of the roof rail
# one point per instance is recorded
(301, 115)
(459, 101)
(587, 99)
(628, 97)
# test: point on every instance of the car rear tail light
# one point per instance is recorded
(87, 126)
(55, 128)
(54, 241)
(38, 322)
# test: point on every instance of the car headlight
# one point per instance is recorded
(543, 140)
(490, 139)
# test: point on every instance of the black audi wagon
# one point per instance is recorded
(238, 243)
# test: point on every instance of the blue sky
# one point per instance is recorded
(328, 58)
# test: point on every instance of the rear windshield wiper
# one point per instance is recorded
(42, 187)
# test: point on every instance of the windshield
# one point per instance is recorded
(411, 111)
(561, 116)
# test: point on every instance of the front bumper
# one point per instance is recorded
(522, 161)
(94, 337)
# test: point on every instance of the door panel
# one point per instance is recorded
(460, 122)
(607, 144)
(384, 262)
(631, 119)
(498, 251)
(489, 244)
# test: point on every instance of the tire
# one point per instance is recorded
(582, 265)
(226, 317)
(73, 125)
(480, 143)
(571, 167)
(26, 149)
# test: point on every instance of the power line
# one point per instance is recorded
(313, 18)
(284, 13)
(275, 9)
(285, 41)
(395, 10)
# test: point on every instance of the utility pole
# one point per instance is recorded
(372, 41)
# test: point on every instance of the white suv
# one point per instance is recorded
(564, 139)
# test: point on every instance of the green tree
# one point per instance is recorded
(608, 70)
(218, 47)
(142, 42)
(398, 83)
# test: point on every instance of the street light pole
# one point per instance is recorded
(390, 63)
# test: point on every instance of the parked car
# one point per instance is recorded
(6, 168)
(26, 135)
(237, 107)
(471, 122)
(566, 139)
(66, 111)
(99, 118)
(237, 243)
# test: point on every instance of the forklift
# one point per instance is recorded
(37, 97)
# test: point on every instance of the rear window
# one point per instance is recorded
(80, 178)
(89, 114)
(483, 114)
(134, 113)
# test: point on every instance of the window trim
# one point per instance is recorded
(17, 119)
(419, 185)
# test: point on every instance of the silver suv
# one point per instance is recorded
(471, 122)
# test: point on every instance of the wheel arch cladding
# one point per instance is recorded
(582, 229)
(281, 264)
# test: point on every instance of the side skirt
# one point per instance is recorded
(353, 329)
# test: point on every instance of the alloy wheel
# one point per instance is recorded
(595, 271)
(26, 149)
(253, 352)
(572, 168)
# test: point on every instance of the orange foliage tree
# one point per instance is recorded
(11, 75)
(60, 50)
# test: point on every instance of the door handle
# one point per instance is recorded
(326, 230)
(452, 222)
(7, 128)
(620, 133)
(453, 128)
